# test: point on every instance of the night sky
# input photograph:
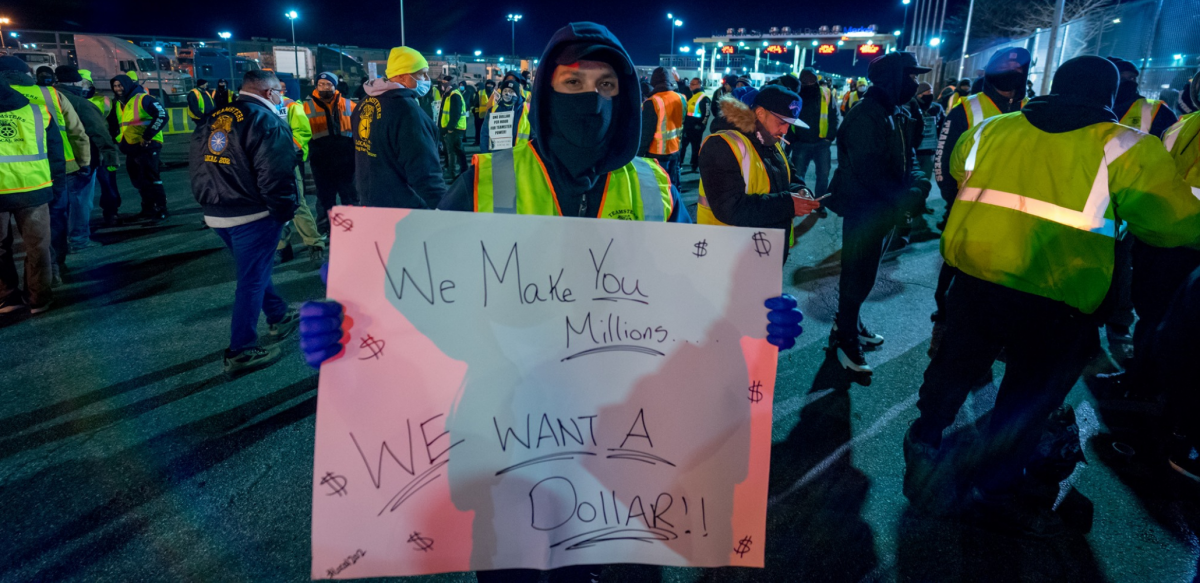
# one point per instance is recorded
(453, 26)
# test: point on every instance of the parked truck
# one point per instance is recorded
(288, 58)
(35, 59)
(212, 64)
(109, 56)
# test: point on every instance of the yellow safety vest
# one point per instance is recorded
(826, 99)
(301, 128)
(102, 102)
(754, 172)
(980, 107)
(462, 120)
(955, 99)
(199, 101)
(1183, 142)
(668, 106)
(693, 105)
(849, 100)
(24, 162)
(47, 96)
(134, 121)
(515, 181)
(1048, 230)
(1141, 114)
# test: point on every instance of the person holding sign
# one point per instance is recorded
(508, 124)
(395, 143)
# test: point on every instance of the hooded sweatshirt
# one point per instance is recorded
(658, 84)
(76, 134)
(11, 101)
(396, 156)
(1128, 94)
(150, 105)
(103, 151)
(956, 124)
(579, 193)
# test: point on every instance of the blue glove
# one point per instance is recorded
(783, 321)
(321, 335)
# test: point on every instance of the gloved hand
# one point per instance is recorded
(783, 321)
(112, 168)
(324, 328)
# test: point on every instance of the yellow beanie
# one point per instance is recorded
(86, 74)
(403, 60)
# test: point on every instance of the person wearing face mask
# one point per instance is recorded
(759, 192)
(580, 162)
(141, 118)
(851, 98)
(876, 182)
(242, 169)
(106, 175)
(812, 144)
(662, 122)
(331, 151)
(304, 223)
(480, 106)
(1151, 116)
(956, 95)
(452, 121)
(221, 96)
(694, 122)
(1034, 270)
(719, 123)
(395, 142)
(511, 99)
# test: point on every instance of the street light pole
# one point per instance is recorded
(3, 21)
(674, 23)
(226, 36)
(962, 60)
(1048, 70)
(292, 16)
(904, 28)
(402, 43)
(513, 18)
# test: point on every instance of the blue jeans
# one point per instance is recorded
(80, 188)
(110, 197)
(60, 207)
(253, 247)
(817, 153)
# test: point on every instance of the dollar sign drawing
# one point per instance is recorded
(743, 547)
(761, 245)
(755, 394)
(338, 483)
(701, 249)
(343, 222)
(375, 346)
(423, 543)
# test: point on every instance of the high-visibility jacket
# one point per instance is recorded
(754, 172)
(134, 119)
(301, 128)
(694, 109)
(980, 107)
(849, 100)
(24, 161)
(49, 97)
(445, 118)
(103, 102)
(955, 99)
(1037, 211)
(340, 109)
(1141, 114)
(826, 103)
(668, 106)
(1183, 142)
(515, 181)
(203, 103)
(483, 101)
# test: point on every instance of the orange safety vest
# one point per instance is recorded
(340, 106)
(668, 106)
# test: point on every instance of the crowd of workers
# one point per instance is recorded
(1065, 212)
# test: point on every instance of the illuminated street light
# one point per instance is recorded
(439, 52)
(935, 41)
(3, 21)
(815, 43)
(685, 49)
(477, 53)
(675, 22)
(513, 18)
(292, 16)
(226, 36)
(1116, 21)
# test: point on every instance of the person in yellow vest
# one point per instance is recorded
(481, 105)
(662, 122)
(957, 94)
(452, 120)
(854, 95)
(331, 151)
(76, 149)
(745, 178)
(813, 143)
(581, 161)
(303, 223)
(200, 102)
(1150, 116)
(514, 129)
(1034, 249)
(106, 175)
(142, 119)
(31, 158)
(81, 185)
(695, 120)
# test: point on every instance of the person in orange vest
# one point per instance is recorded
(662, 123)
(331, 151)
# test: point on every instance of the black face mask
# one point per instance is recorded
(908, 90)
(325, 94)
(1007, 81)
(580, 128)
(926, 100)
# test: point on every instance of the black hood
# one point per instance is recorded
(72, 89)
(1082, 94)
(10, 100)
(627, 105)
(17, 78)
(890, 83)
(128, 87)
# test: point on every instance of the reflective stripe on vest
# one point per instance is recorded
(24, 163)
(693, 105)
(1091, 218)
(462, 119)
(103, 103)
(42, 95)
(1182, 140)
(316, 112)
(754, 172)
(199, 102)
(1141, 114)
(134, 121)
(826, 97)
(514, 181)
(666, 138)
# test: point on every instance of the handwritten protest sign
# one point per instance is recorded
(537, 392)
(500, 130)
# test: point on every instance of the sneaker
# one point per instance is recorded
(1006, 514)
(83, 246)
(55, 275)
(12, 303)
(1185, 460)
(920, 466)
(868, 339)
(39, 308)
(284, 328)
(852, 358)
(251, 359)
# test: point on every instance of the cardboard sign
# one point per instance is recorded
(500, 130)
(534, 392)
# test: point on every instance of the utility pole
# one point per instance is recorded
(1048, 70)
(962, 60)
(402, 43)
(292, 16)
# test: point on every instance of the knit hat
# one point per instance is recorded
(404, 61)
(67, 74)
(86, 74)
(13, 64)
(922, 87)
(328, 77)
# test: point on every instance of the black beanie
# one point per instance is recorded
(67, 74)
(1089, 80)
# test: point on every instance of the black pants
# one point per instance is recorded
(60, 207)
(1047, 345)
(454, 152)
(142, 164)
(1122, 281)
(1173, 348)
(1158, 274)
(945, 277)
(333, 175)
(478, 127)
(110, 197)
(693, 135)
(864, 238)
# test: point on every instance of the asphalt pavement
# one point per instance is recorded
(126, 454)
